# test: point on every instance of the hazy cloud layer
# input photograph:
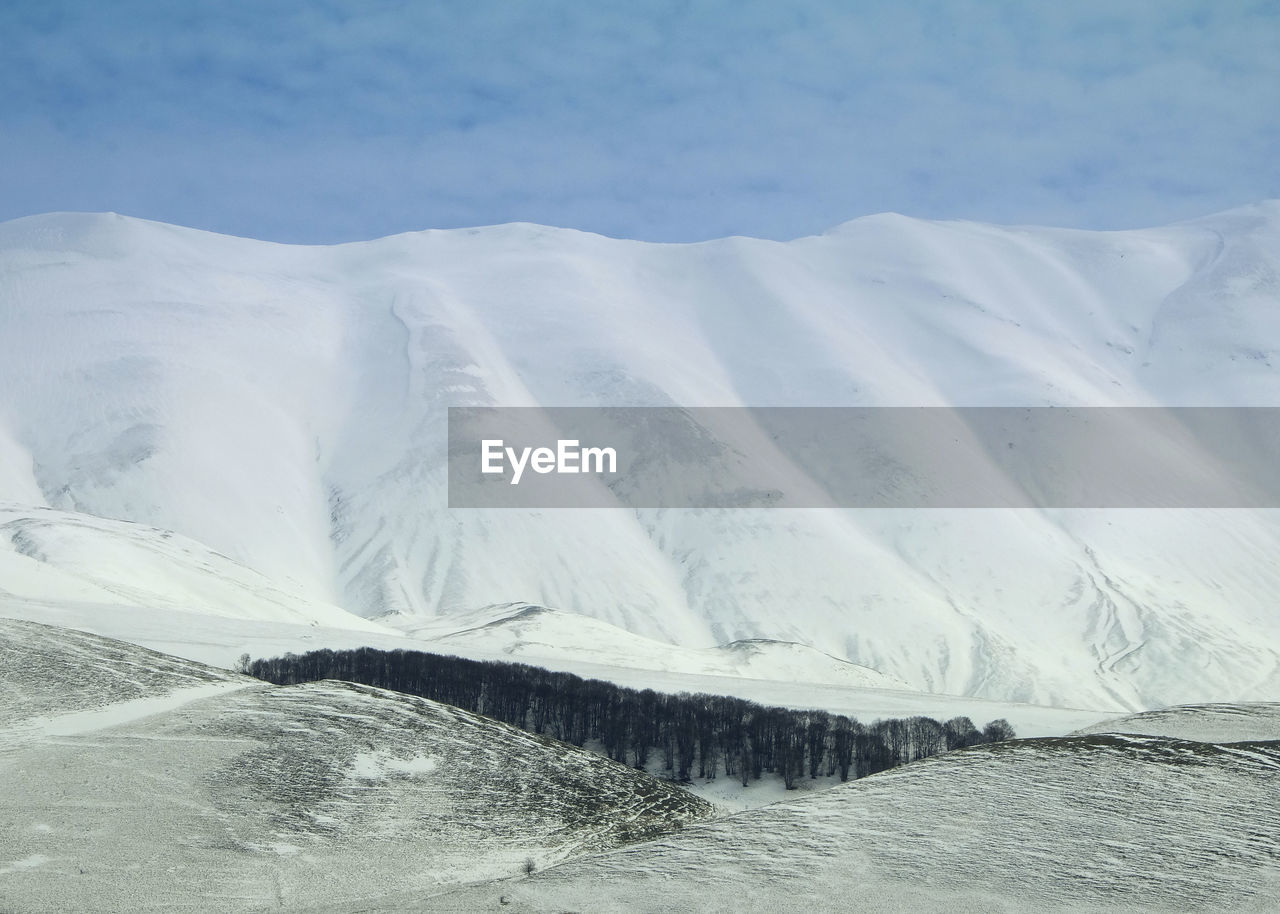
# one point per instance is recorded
(661, 120)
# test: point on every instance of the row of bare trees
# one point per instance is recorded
(684, 735)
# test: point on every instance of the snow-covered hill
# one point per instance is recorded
(1211, 723)
(1081, 824)
(162, 785)
(284, 406)
(50, 673)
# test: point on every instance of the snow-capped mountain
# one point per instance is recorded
(285, 407)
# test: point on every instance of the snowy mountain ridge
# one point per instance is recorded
(284, 407)
(538, 634)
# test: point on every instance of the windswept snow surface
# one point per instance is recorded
(285, 406)
(1094, 823)
(242, 796)
(49, 672)
(1209, 723)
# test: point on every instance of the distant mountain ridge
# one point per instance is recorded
(283, 406)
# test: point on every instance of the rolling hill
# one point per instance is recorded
(1088, 823)
(1209, 723)
(132, 779)
(152, 783)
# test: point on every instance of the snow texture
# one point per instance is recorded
(1096, 823)
(1211, 723)
(247, 796)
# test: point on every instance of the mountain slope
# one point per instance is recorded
(78, 558)
(538, 635)
(244, 796)
(284, 406)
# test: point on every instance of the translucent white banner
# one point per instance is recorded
(864, 457)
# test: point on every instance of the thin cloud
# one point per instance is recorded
(665, 121)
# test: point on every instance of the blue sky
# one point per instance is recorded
(670, 121)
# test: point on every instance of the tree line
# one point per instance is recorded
(685, 734)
